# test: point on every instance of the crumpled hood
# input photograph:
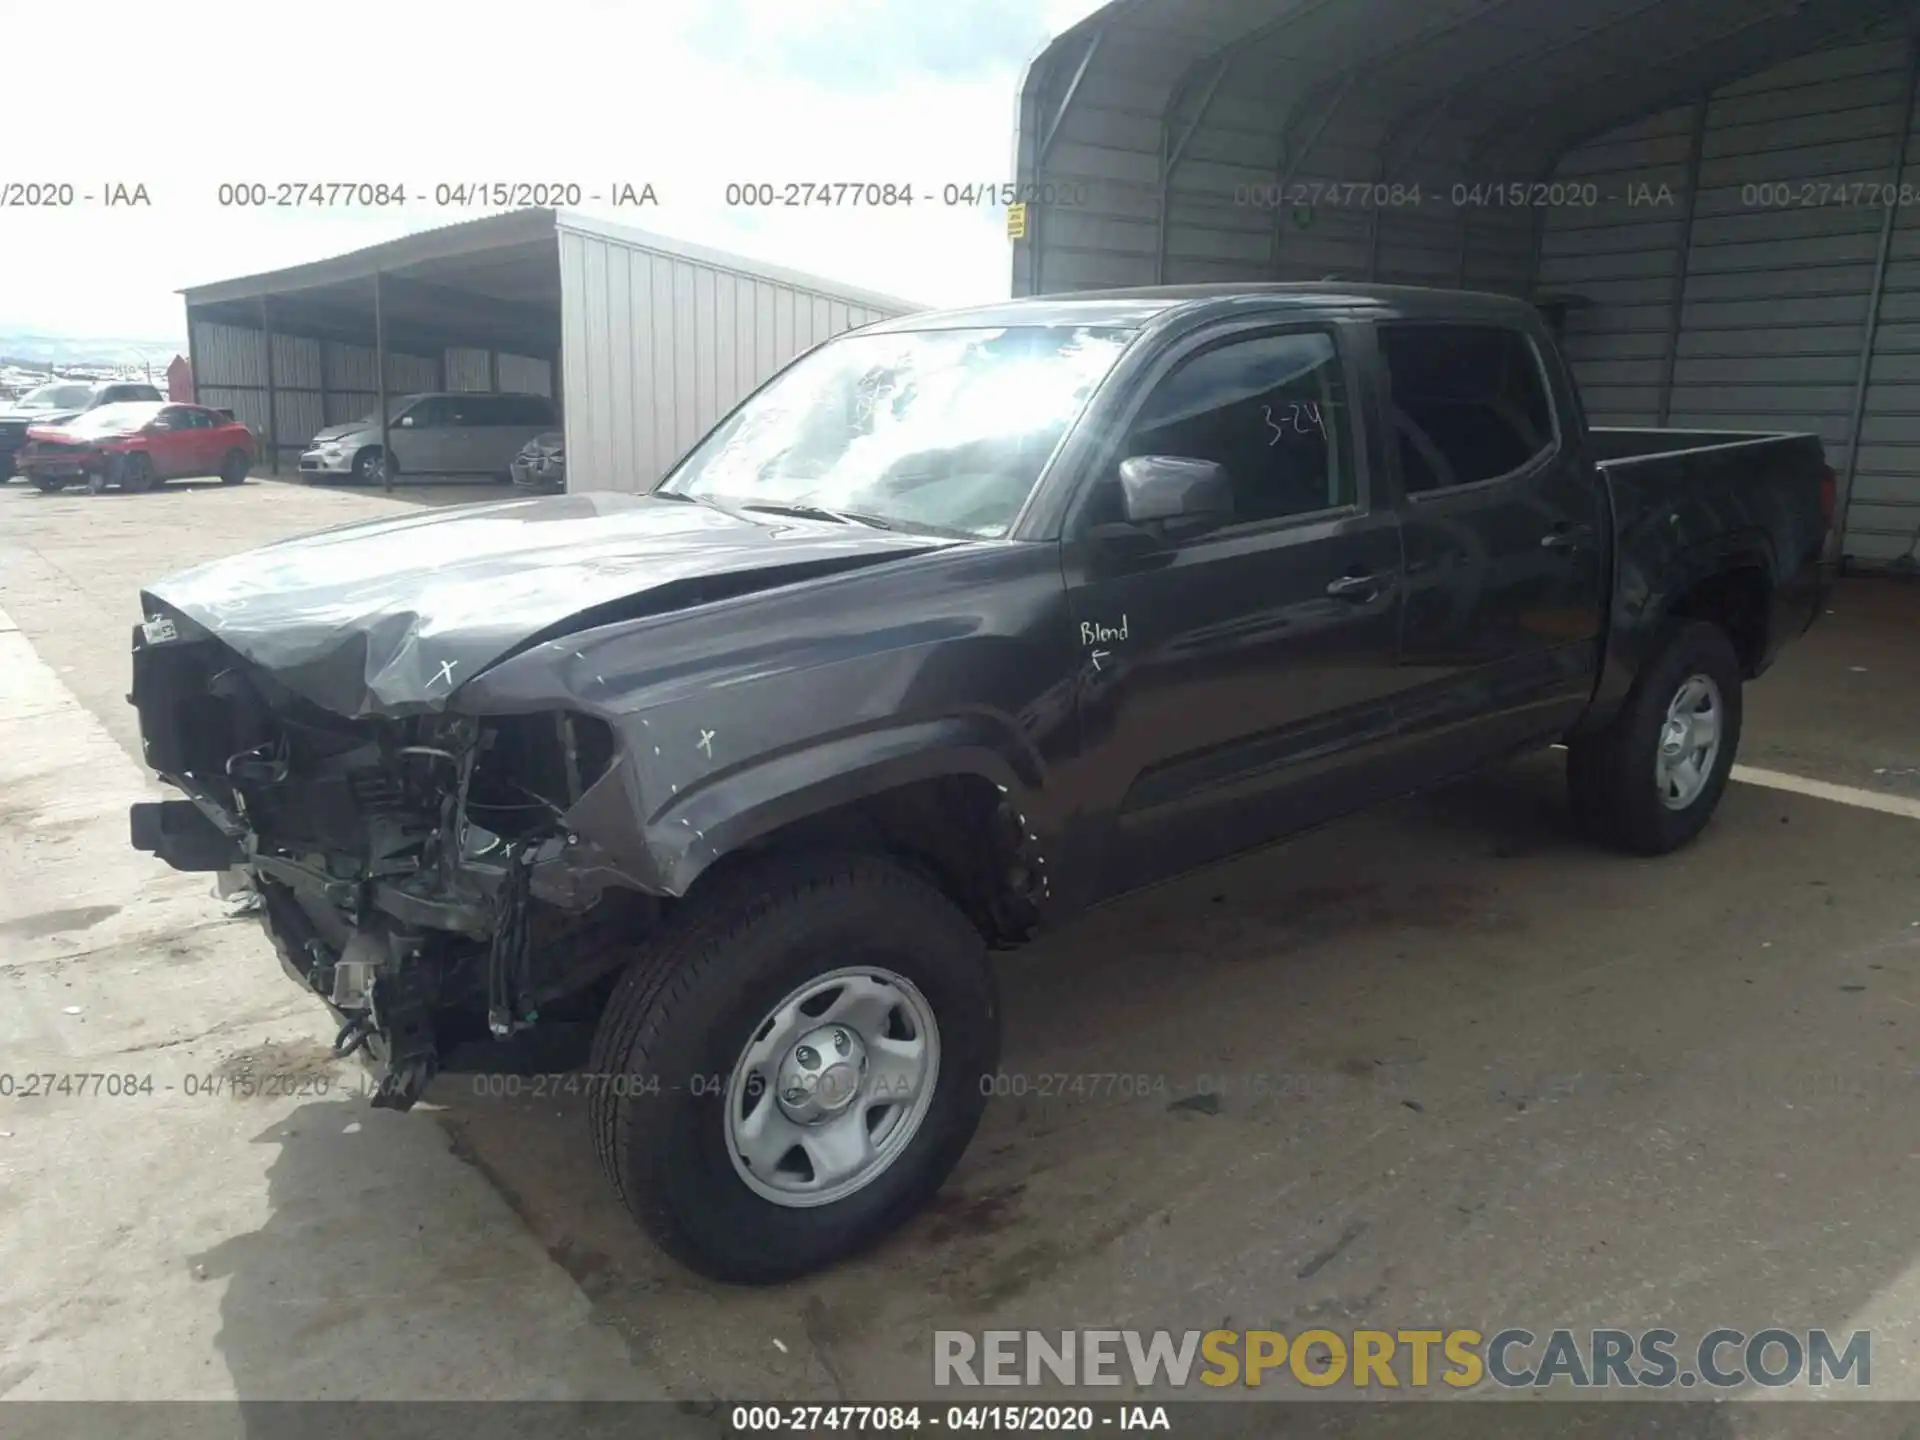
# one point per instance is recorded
(392, 616)
(334, 432)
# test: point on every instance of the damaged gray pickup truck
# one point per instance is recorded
(960, 624)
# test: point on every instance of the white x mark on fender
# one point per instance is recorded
(446, 672)
(706, 742)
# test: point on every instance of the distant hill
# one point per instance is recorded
(26, 348)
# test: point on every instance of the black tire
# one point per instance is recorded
(136, 473)
(47, 485)
(367, 469)
(685, 1011)
(234, 467)
(1611, 774)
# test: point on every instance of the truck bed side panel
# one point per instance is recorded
(1684, 517)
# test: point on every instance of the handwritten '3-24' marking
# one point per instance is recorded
(1301, 418)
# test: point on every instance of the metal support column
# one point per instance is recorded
(493, 370)
(1291, 164)
(380, 379)
(1170, 154)
(273, 404)
(1670, 355)
(1870, 333)
(1036, 211)
(193, 358)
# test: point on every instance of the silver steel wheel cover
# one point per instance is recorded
(832, 1087)
(1689, 742)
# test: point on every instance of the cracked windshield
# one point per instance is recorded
(941, 430)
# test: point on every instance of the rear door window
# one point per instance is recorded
(1468, 404)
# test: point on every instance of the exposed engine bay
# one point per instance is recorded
(417, 873)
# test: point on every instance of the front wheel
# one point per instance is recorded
(233, 469)
(47, 485)
(794, 1064)
(136, 473)
(1652, 779)
(371, 466)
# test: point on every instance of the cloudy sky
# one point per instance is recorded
(687, 96)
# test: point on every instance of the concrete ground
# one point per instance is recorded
(1475, 1074)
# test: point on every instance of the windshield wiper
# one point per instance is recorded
(820, 512)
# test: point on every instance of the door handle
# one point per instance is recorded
(1357, 588)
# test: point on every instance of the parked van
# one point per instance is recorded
(453, 433)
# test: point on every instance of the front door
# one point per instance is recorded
(1234, 683)
(418, 436)
(1503, 520)
(172, 443)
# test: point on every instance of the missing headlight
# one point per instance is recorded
(534, 768)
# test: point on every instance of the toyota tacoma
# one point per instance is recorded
(960, 624)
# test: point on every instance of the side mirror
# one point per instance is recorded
(405, 420)
(1191, 494)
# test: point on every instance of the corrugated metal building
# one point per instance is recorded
(645, 341)
(1710, 191)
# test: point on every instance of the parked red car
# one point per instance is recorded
(137, 446)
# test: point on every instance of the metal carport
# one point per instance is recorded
(1714, 213)
(646, 341)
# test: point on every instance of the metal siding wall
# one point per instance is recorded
(352, 384)
(1827, 118)
(469, 369)
(525, 374)
(1883, 519)
(657, 348)
(1774, 309)
(232, 372)
(408, 373)
(229, 355)
(1622, 256)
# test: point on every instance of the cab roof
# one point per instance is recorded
(1139, 307)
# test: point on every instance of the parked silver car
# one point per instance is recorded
(542, 465)
(433, 434)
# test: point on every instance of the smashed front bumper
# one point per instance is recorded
(422, 876)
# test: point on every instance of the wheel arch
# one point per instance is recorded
(1730, 580)
(944, 797)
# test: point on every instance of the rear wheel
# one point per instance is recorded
(233, 469)
(794, 1064)
(48, 485)
(1652, 779)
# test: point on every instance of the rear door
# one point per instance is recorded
(1235, 684)
(1503, 520)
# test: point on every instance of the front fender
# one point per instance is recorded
(673, 845)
